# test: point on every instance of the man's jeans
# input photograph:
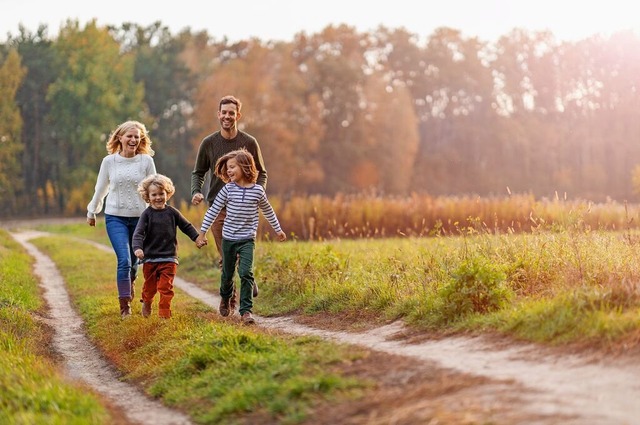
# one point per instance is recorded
(120, 231)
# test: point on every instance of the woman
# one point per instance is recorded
(128, 163)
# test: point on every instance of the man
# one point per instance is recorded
(214, 146)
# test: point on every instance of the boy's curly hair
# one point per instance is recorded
(159, 180)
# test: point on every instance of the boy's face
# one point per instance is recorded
(157, 197)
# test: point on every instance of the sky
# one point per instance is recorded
(569, 20)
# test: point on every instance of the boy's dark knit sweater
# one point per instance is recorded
(156, 232)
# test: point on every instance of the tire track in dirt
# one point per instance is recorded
(574, 388)
(82, 359)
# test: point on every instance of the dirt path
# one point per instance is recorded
(553, 389)
(82, 360)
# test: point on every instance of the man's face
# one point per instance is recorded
(228, 116)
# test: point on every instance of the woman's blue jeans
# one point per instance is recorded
(120, 231)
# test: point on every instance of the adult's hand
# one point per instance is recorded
(197, 198)
(91, 222)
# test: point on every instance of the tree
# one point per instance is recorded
(169, 87)
(95, 91)
(11, 74)
(278, 109)
(39, 59)
(335, 63)
(389, 164)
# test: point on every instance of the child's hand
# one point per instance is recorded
(139, 253)
(201, 240)
(282, 236)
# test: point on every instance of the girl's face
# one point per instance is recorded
(234, 172)
(157, 197)
(130, 141)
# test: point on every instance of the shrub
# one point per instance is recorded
(477, 286)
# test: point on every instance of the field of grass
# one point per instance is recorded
(562, 283)
(557, 285)
(367, 216)
(562, 287)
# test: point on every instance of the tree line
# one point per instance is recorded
(338, 111)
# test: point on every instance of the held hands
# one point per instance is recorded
(281, 236)
(201, 240)
(139, 253)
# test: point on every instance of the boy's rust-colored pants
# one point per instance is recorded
(158, 277)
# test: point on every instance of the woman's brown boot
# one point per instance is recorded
(125, 307)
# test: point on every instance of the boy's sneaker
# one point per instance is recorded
(248, 319)
(146, 309)
(224, 307)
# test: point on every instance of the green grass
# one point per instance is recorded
(559, 287)
(32, 389)
(216, 370)
(565, 285)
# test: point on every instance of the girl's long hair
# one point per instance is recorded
(245, 161)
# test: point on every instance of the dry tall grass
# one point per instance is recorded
(369, 216)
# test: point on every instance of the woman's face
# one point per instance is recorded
(130, 141)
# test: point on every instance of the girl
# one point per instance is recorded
(243, 200)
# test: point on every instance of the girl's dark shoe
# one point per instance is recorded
(224, 307)
(248, 319)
